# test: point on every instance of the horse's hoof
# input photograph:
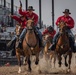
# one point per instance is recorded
(59, 65)
(66, 65)
(68, 70)
(29, 70)
(19, 71)
(36, 62)
(39, 71)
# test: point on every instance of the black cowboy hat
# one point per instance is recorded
(67, 11)
(50, 28)
(30, 8)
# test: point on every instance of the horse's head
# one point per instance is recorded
(18, 29)
(30, 25)
(47, 38)
(62, 27)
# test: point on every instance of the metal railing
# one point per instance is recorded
(8, 5)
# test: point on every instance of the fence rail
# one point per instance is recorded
(8, 5)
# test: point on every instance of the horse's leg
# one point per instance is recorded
(65, 61)
(19, 62)
(37, 59)
(24, 60)
(54, 60)
(29, 63)
(69, 61)
(59, 60)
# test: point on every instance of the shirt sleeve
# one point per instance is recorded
(22, 12)
(53, 33)
(16, 18)
(71, 23)
(44, 32)
(35, 19)
(58, 20)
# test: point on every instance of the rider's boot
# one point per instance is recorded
(72, 44)
(18, 45)
(10, 44)
(73, 48)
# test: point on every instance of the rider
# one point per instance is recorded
(29, 14)
(70, 24)
(22, 21)
(49, 30)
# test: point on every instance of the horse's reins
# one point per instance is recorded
(28, 43)
(60, 47)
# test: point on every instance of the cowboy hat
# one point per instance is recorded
(67, 11)
(50, 28)
(30, 8)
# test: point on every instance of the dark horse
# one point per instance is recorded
(31, 43)
(63, 46)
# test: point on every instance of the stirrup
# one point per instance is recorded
(9, 44)
(17, 46)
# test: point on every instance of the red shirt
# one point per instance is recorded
(23, 23)
(27, 15)
(51, 33)
(68, 20)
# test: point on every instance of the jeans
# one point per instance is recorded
(23, 33)
(56, 37)
(14, 38)
(39, 33)
(71, 35)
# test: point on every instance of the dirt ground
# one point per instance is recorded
(44, 68)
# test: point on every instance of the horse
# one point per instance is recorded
(47, 40)
(19, 51)
(31, 43)
(63, 45)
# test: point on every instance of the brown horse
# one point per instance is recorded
(48, 54)
(62, 45)
(47, 40)
(31, 44)
(19, 51)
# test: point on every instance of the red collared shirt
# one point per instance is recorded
(51, 33)
(27, 15)
(23, 23)
(68, 20)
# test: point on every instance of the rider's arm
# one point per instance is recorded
(45, 32)
(53, 33)
(35, 19)
(15, 17)
(22, 12)
(70, 24)
(58, 21)
(25, 23)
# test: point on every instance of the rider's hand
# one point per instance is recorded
(20, 7)
(10, 15)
